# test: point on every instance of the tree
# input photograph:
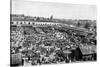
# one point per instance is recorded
(87, 25)
(78, 24)
(51, 17)
(37, 19)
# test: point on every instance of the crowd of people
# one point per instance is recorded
(52, 44)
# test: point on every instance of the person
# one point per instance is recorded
(38, 61)
(76, 54)
(22, 62)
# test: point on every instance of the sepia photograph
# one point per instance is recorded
(46, 33)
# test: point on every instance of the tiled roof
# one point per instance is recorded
(88, 49)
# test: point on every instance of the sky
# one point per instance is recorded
(58, 10)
